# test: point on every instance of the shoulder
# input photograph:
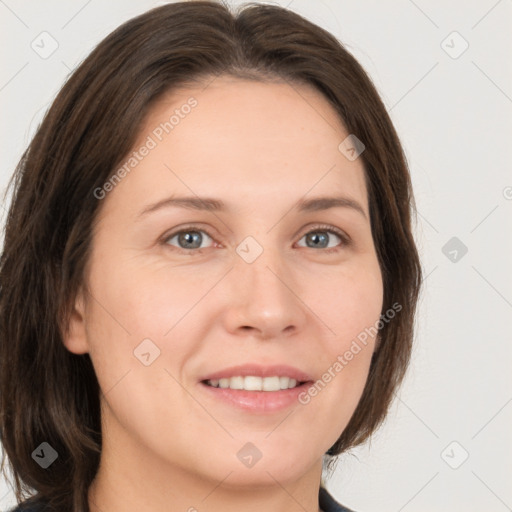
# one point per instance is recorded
(328, 504)
(31, 505)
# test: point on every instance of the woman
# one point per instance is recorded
(208, 280)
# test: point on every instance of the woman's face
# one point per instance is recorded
(260, 281)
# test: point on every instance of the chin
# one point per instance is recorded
(264, 474)
(263, 462)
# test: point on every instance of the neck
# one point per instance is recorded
(131, 478)
(144, 491)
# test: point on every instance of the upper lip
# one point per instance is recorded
(280, 370)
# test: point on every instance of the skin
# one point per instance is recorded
(167, 445)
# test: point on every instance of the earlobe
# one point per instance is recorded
(74, 333)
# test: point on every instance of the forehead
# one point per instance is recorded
(255, 114)
(244, 139)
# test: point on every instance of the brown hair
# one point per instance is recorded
(48, 394)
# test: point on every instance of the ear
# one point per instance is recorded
(75, 332)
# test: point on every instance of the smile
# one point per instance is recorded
(254, 383)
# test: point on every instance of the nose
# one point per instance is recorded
(265, 298)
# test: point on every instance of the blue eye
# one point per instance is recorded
(318, 237)
(189, 239)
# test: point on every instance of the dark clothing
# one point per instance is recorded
(327, 503)
(325, 500)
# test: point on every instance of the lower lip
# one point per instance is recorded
(258, 401)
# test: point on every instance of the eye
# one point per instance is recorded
(318, 237)
(190, 237)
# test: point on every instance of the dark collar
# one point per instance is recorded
(328, 504)
(325, 501)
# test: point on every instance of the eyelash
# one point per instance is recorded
(325, 228)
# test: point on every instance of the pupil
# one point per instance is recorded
(315, 237)
(189, 238)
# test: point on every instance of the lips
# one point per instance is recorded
(279, 370)
(269, 399)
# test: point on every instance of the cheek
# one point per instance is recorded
(141, 314)
(126, 324)
(137, 300)
(350, 305)
(350, 301)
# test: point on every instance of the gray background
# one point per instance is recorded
(452, 111)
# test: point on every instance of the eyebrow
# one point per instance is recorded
(212, 205)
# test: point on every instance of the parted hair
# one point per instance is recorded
(48, 394)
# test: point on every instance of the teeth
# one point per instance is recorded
(283, 382)
(253, 383)
(236, 383)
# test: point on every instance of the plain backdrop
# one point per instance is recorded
(444, 72)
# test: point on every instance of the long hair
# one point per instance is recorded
(48, 394)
